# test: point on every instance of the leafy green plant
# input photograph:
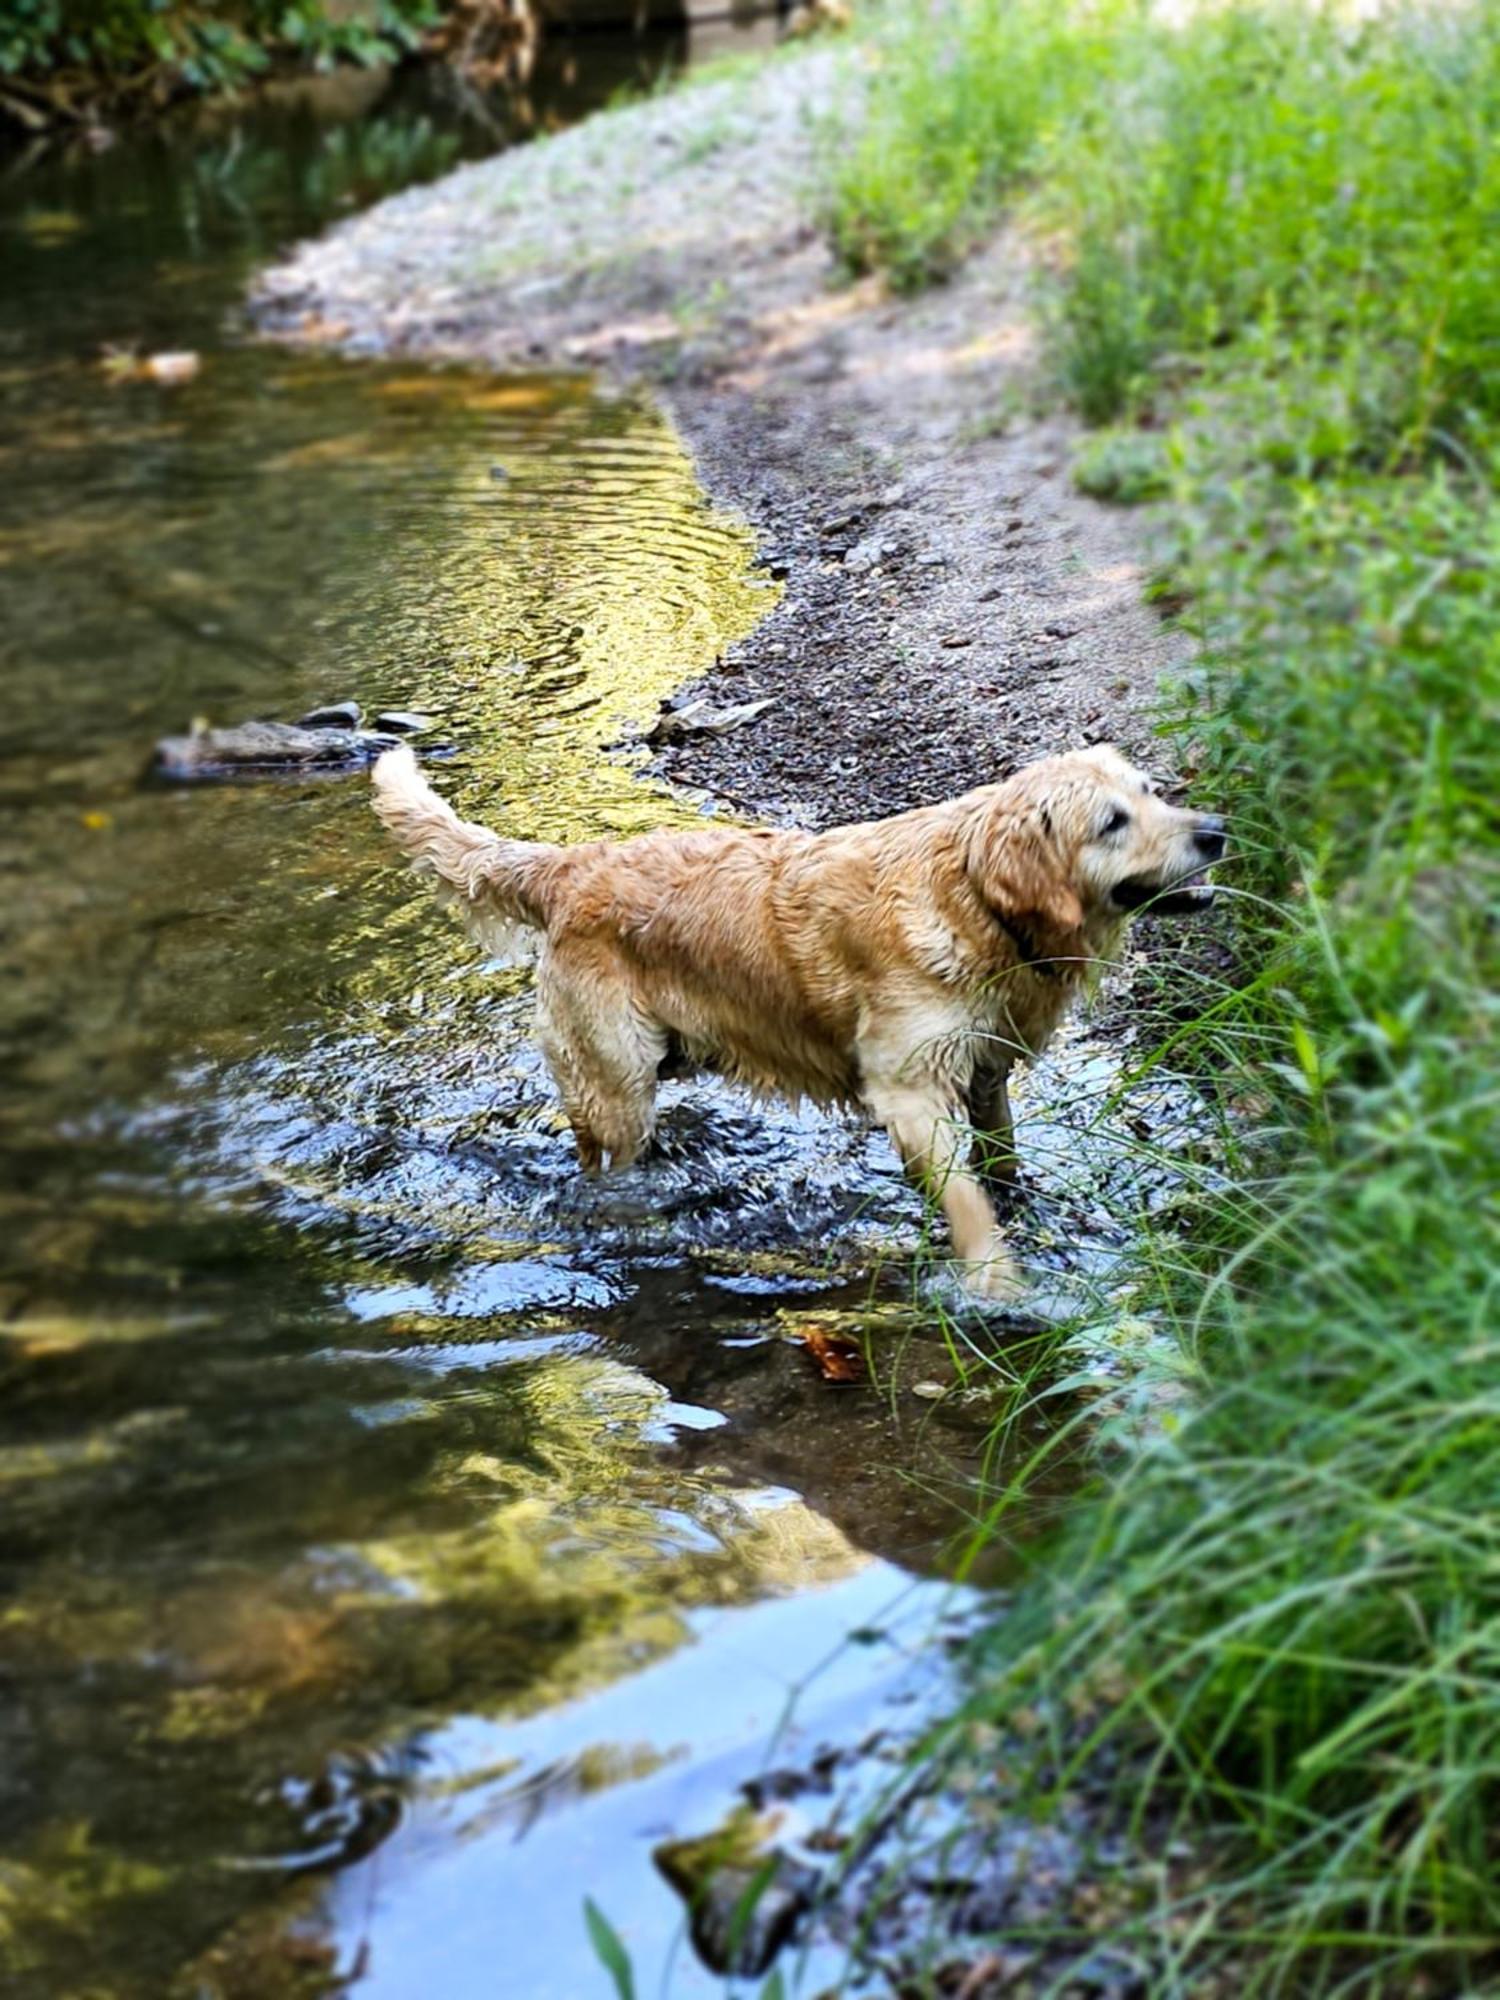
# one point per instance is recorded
(172, 43)
(1124, 466)
(610, 1948)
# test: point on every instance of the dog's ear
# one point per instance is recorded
(1014, 862)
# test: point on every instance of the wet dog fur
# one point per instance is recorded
(902, 966)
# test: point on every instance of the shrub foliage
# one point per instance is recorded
(111, 45)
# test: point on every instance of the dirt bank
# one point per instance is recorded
(953, 606)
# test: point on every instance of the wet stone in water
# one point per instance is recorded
(266, 749)
(744, 1893)
(333, 715)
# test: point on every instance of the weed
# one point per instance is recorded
(1124, 466)
(953, 121)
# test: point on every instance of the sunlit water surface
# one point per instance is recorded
(399, 1537)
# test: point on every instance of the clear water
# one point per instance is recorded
(398, 1539)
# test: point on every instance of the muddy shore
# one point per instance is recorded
(952, 607)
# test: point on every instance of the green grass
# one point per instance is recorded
(1326, 195)
(1275, 241)
(950, 124)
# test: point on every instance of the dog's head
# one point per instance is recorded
(1086, 836)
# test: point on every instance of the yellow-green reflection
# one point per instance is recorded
(577, 590)
(532, 563)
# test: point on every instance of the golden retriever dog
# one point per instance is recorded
(902, 966)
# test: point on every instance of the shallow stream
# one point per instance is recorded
(400, 1539)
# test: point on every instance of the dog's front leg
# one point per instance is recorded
(927, 1132)
(994, 1126)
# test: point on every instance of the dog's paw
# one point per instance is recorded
(995, 1279)
(1032, 1301)
(991, 1289)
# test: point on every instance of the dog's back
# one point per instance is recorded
(698, 929)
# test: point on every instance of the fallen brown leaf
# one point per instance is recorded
(838, 1359)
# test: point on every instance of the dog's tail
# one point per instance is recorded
(495, 884)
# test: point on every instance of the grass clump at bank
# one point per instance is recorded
(949, 127)
(1275, 240)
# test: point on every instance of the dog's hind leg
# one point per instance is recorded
(603, 1055)
(590, 1148)
(927, 1130)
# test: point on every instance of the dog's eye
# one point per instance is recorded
(1117, 819)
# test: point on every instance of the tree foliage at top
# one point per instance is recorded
(54, 50)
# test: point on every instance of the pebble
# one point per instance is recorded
(866, 554)
(332, 715)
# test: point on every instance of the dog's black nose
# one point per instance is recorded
(1209, 836)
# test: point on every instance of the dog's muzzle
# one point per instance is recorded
(1180, 895)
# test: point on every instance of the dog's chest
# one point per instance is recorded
(1017, 1014)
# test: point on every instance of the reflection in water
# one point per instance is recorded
(374, 1498)
(528, 561)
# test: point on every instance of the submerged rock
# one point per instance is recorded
(744, 1894)
(266, 749)
(333, 715)
(329, 738)
(404, 722)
